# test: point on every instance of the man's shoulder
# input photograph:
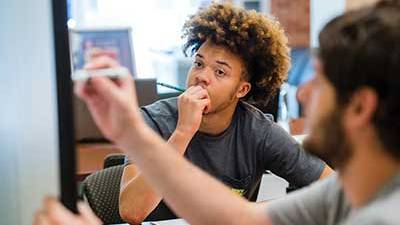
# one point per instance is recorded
(162, 116)
(322, 202)
(162, 108)
(253, 115)
(384, 210)
(252, 120)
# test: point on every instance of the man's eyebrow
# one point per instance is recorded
(199, 55)
(218, 61)
(224, 63)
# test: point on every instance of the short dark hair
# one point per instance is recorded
(259, 41)
(362, 49)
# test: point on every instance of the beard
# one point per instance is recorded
(222, 106)
(328, 141)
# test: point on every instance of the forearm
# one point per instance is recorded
(137, 197)
(192, 193)
(179, 140)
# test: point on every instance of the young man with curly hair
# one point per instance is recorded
(240, 60)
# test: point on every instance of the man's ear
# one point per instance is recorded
(243, 89)
(362, 107)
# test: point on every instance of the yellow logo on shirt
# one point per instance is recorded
(239, 192)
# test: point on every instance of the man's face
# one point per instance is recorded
(327, 138)
(218, 70)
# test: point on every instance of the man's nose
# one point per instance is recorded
(203, 78)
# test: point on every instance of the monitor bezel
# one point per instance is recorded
(67, 152)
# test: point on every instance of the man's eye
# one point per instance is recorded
(197, 64)
(220, 73)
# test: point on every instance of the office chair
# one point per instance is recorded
(101, 190)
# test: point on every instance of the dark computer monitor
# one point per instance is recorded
(86, 129)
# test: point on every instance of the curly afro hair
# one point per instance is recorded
(260, 42)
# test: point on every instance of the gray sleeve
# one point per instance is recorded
(370, 220)
(149, 121)
(312, 205)
(383, 210)
(286, 158)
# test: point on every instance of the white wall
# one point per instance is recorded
(321, 12)
(28, 113)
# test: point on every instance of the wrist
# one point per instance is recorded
(186, 132)
(180, 140)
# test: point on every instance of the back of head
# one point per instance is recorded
(259, 41)
(362, 49)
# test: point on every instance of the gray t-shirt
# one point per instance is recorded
(324, 203)
(240, 155)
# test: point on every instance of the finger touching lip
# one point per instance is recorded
(205, 110)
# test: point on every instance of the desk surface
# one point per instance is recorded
(90, 157)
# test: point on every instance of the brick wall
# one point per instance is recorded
(354, 4)
(294, 15)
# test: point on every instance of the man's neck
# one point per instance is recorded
(366, 173)
(216, 123)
